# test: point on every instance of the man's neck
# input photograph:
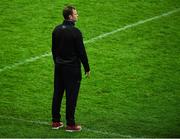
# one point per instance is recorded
(69, 22)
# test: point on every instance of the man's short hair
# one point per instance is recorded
(68, 10)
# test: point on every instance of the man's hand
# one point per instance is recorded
(88, 74)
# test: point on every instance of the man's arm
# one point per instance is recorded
(82, 53)
(53, 47)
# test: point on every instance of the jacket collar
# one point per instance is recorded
(68, 22)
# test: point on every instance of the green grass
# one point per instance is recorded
(135, 74)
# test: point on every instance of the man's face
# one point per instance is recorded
(74, 16)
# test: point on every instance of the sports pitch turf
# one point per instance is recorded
(135, 73)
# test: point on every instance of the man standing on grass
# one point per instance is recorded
(68, 53)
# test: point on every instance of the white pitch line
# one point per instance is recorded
(32, 59)
(92, 39)
(48, 124)
(107, 133)
(23, 120)
(131, 25)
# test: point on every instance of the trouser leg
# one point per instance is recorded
(58, 94)
(72, 91)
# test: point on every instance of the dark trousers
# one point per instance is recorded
(65, 79)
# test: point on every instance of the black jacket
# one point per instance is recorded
(67, 46)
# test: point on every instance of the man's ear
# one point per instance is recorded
(70, 17)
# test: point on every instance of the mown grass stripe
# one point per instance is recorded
(32, 59)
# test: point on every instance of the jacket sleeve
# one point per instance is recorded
(53, 46)
(81, 51)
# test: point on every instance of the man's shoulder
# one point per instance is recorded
(77, 30)
(57, 27)
(64, 27)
